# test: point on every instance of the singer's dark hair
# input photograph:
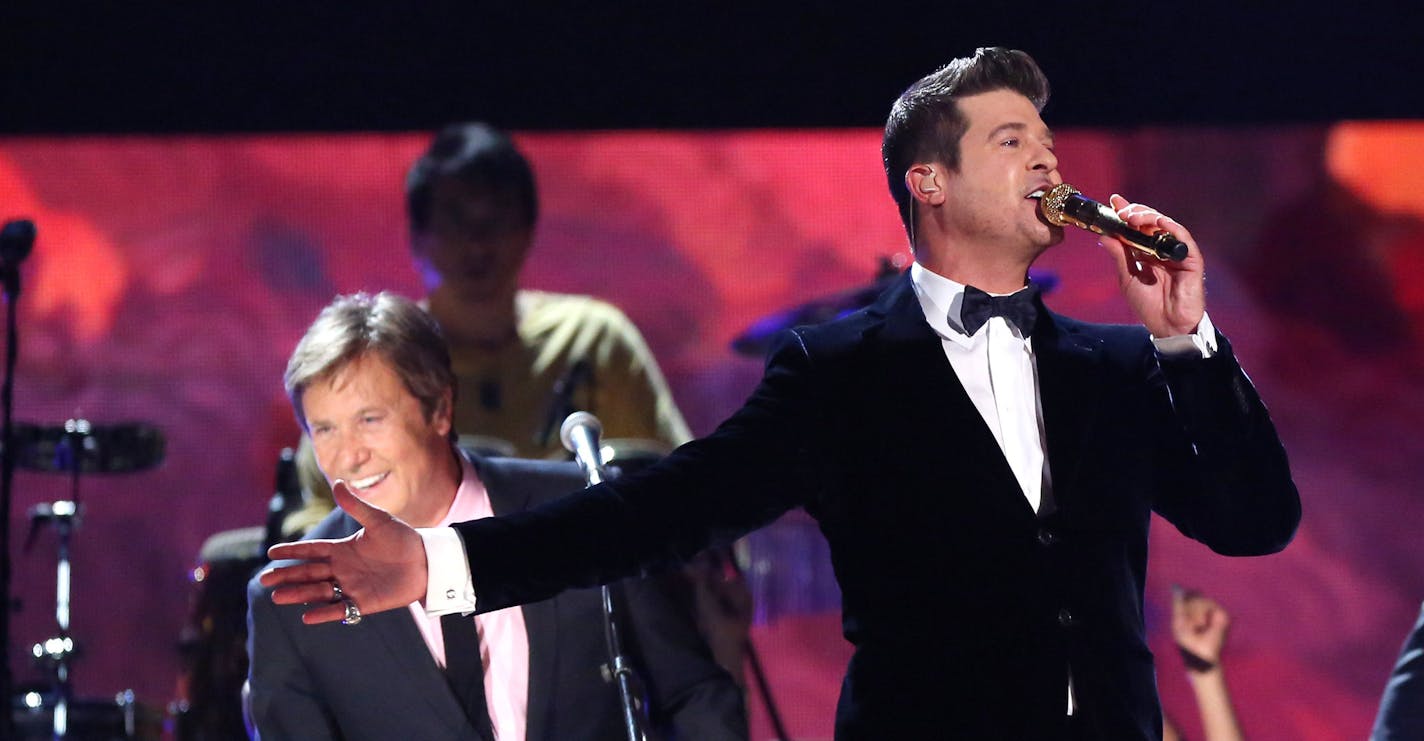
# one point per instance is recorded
(925, 123)
(480, 156)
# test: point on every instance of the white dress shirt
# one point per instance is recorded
(995, 366)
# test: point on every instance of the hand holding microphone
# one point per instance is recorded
(1063, 204)
(1167, 292)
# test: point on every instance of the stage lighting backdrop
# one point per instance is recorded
(173, 275)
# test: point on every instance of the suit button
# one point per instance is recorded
(1046, 537)
(1066, 618)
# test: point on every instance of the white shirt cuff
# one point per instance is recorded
(450, 588)
(1199, 343)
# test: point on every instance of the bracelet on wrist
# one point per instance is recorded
(1194, 663)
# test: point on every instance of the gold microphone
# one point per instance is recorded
(1063, 204)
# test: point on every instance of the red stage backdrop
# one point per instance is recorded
(173, 275)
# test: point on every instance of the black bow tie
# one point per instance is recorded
(1020, 307)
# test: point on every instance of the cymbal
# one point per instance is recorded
(77, 444)
(755, 341)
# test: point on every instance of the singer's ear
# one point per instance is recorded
(442, 417)
(923, 183)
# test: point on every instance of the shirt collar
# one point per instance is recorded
(940, 298)
(471, 500)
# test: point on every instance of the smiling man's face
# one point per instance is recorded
(368, 429)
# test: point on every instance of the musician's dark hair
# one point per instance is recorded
(479, 156)
(925, 123)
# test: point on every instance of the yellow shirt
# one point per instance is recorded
(503, 396)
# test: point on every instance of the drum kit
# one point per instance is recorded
(213, 642)
(76, 448)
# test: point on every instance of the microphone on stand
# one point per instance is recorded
(1063, 204)
(17, 238)
(580, 433)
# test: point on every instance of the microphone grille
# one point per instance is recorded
(17, 238)
(1052, 203)
(575, 421)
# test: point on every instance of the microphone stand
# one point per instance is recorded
(725, 557)
(59, 651)
(17, 238)
(286, 498)
(579, 434)
(561, 399)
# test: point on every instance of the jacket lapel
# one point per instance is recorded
(943, 413)
(405, 651)
(1069, 389)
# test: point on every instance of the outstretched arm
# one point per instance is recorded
(750, 471)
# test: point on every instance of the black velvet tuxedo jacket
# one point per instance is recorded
(968, 611)
(377, 680)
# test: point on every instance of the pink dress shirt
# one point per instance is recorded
(504, 641)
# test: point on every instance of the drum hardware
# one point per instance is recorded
(74, 448)
(55, 653)
(120, 719)
(79, 447)
(213, 642)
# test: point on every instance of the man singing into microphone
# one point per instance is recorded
(984, 469)
(371, 382)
